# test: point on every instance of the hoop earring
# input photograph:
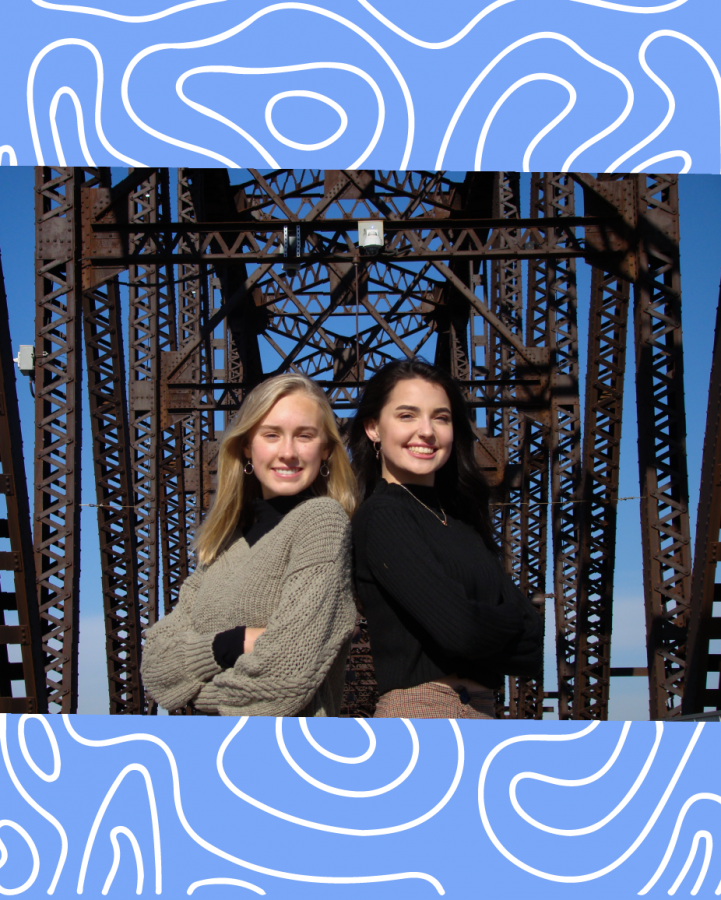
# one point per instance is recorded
(327, 470)
(248, 471)
(377, 449)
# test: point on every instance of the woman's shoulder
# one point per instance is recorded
(383, 504)
(323, 515)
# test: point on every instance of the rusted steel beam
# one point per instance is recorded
(552, 323)
(151, 329)
(662, 441)
(22, 684)
(407, 242)
(105, 362)
(607, 332)
(705, 622)
(512, 426)
(56, 532)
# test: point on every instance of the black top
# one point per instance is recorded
(269, 512)
(436, 599)
(228, 645)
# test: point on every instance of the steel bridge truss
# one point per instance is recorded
(182, 313)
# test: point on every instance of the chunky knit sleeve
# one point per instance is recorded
(177, 660)
(306, 633)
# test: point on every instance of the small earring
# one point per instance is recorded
(377, 449)
(327, 470)
(248, 471)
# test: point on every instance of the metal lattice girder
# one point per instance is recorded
(516, 508)
(105, 362)
(704, 622)
(27, 674)
(552, 323)
(151, 330)
(58, 426)
(662, 441)
(607, 333)
(262, 242)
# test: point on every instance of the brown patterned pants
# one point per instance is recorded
(436, 701)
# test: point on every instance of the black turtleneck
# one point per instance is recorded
(228, 645)
(436, 599)
(267, 514)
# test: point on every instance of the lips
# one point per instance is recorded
(287, 473)
(422, 452)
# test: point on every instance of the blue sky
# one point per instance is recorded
(700, 198)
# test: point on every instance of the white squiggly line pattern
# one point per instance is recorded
(121, 17)
(527, 79)
(237, 29)
(542, 35)
(133, 767)
(625, 7)
(262, 870)
(337, 829)
(69, 42)
(616, 164)
(121, 829)
(272, 70)
(715, 798)
(590, 779)
(591, 876)
(28, 799)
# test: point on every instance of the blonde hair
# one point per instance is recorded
(236, 490)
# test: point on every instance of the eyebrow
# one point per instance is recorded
(280, 427)
(417, 409)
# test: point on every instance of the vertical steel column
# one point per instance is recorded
(21, 602)
(151, 329)
(524, 546)
(553, 298)
(105, 360)
(607, 331)
(56, 529)
(662, 442)
(193, 313)
(705, 623)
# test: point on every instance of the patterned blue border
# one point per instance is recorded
(585, 85)
(346, 808)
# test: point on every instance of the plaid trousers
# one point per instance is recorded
(436, 701)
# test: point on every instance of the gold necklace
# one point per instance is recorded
(443, 521)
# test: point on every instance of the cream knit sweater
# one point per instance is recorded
(296, 583)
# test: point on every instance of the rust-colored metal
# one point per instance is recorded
(449, 278)
(665, 530)
(22, 681)
(607, 332)
(56, 520)
(702, 663)
(105, 361)
(552, 324)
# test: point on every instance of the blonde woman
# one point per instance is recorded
(263, 625)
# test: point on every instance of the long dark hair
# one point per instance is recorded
(461, 487)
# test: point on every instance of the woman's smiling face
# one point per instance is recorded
(415, 430)
(288, 447)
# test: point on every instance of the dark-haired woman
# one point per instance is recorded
(445, 621)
